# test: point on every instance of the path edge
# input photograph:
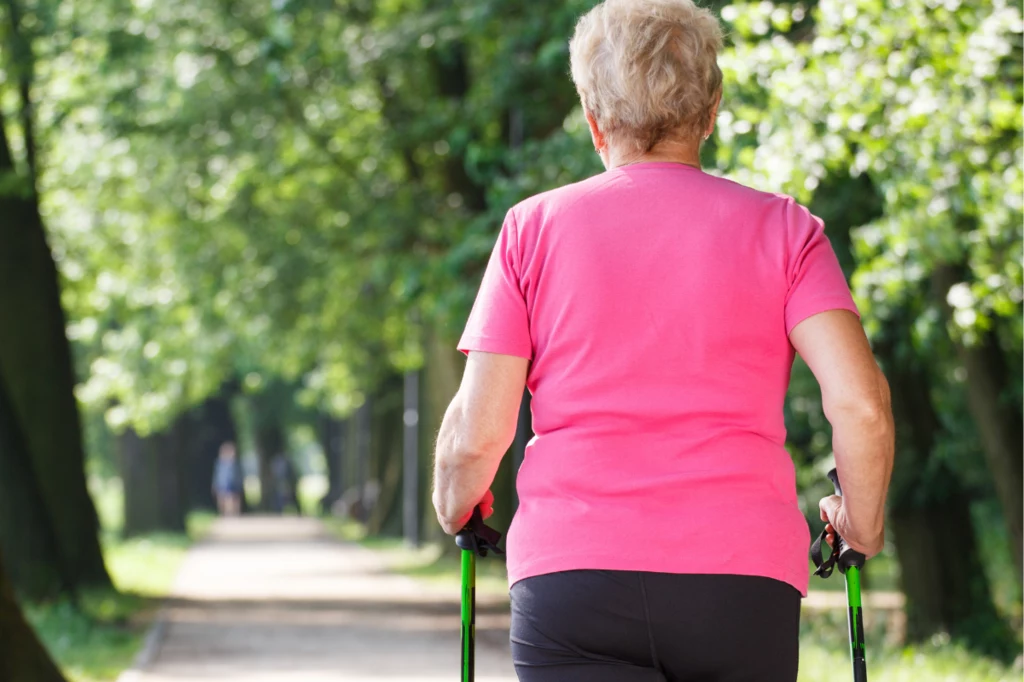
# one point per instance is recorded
(150, 648)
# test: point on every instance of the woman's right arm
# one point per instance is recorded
(855, 397)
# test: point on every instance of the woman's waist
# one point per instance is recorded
(640, 468)
(687, 535)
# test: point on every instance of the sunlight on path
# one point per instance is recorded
(276, 600)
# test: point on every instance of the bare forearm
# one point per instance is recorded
(463, 470)
(863, 440)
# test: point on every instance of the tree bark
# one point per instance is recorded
(35, 366)
(150, 474)
(936, 546)
(209, 426)
(941, 571)
(26, 535)
(327, 433)
(334, 441)
(362, 436)
(999, 422)
(139, 478)
(269, 440)
(386, 452)
(168, 449)
(22, 657)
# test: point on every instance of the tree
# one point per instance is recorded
(923, 104)
(22, 657)
(26, 535)
(35, 362)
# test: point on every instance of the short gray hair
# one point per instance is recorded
(647, 70)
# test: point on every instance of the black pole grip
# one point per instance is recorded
(478, 537)
(847, 555)
(464, 538)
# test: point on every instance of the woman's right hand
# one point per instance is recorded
(833, 513)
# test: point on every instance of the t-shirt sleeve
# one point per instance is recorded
(499, 322)
(816, 282)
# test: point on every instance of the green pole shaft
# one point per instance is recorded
(856, 619)
(468, 614)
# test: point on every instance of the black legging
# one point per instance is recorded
(629, 626)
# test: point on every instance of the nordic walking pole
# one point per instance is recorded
(850, 562)
(476, 538)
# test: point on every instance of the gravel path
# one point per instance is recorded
(277, 600)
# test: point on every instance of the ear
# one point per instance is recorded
(714, 116)
(595, 133)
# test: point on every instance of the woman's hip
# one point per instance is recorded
(654, 626)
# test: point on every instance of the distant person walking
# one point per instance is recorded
(227, 481)
(653, 312)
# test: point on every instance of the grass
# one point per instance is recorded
(98, 637)
(938, 661)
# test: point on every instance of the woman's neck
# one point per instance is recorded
(671, 151)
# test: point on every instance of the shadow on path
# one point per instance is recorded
(277, 600)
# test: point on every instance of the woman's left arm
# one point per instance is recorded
(477, 430)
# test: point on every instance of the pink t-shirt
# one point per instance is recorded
(655, 303)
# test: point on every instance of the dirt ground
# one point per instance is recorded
(277, 600)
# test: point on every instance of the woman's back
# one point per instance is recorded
(654, 311)
(655, 301)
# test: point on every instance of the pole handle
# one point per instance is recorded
(478, 537)
(464, 538)
(847, 555)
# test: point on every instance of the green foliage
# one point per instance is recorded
(922, 98)
(95, 640)
(300, 192)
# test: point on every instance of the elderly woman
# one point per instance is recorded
(653, 312)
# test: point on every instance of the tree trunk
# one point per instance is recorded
(1000, 432)
(210, 425)
(22, 656)
(941, 571)
(362, 493)
(169, 452)
(936, 546)
(411, 518)
(269, 441)
(334, 441)
(999, 422)
(26, 536)
(35, 365)
(141, 488)
(386, 447)
(150, 474)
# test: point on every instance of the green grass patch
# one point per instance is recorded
(98, 637)
(95, 640)
(147, 565)
(939, 661)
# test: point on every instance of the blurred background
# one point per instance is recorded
(264, 223)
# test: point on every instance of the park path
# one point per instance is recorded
(277, 600)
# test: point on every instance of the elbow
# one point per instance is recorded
(870, 409)
(469, 450)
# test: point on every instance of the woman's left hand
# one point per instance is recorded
(486, 510)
